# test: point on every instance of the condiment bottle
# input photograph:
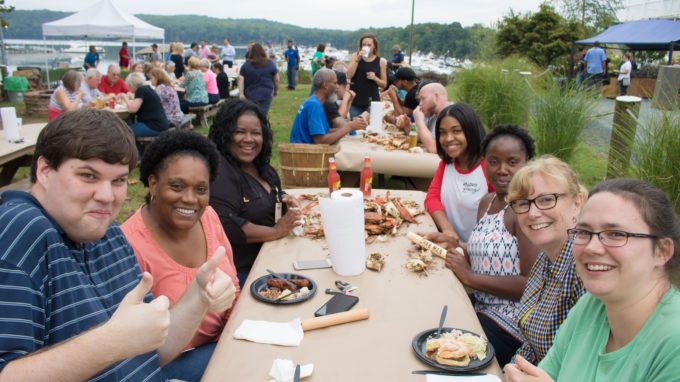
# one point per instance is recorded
(333, 177)
(413, 137)
(366, 182)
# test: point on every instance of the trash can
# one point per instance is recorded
(16, 86)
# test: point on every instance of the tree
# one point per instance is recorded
(593, 15)
(4, 9)
(543, 37)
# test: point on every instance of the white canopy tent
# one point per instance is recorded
(102, 19)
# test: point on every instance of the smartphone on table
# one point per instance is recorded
(302, 265)
(338, 303)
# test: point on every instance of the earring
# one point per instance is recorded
(152, 199)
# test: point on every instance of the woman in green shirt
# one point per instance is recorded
(627, 328)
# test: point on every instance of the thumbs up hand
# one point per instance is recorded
(147, 324)
(216, 289)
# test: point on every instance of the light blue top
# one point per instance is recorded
(593, 58)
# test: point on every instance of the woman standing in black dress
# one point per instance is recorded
(368, 73)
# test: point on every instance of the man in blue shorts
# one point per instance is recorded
(74, 304)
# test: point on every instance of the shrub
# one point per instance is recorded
(498, 92)
(656, 152)
(558, 117)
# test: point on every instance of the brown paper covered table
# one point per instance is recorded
(15, 155)
(401, 305)
(351, 152)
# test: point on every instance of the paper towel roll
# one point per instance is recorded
(342, 216)
(376, 117)
(9, 124)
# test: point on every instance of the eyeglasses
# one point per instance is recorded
(608, 238)
(542, 202)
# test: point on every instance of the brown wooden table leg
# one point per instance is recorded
(10, 168)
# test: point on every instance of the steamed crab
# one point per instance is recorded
(383, 215)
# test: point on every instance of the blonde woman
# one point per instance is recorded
(177, 57)
(546, 197)
(194, 84)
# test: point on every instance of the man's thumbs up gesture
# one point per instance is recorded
(143, 327)
(216, 289)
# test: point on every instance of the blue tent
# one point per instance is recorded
(640, 35)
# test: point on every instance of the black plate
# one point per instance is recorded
(476, 364)
(261, 284)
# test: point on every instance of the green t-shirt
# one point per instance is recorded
(578, 353)
(316, 65)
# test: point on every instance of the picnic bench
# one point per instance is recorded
(188, 118)
(205, 114)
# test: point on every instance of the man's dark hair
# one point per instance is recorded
(177, 143)
(85, 134)
(514, 131)
(222, 132)
(194, 44)
(472, 128)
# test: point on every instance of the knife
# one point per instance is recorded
(296, 376)
(444, 372)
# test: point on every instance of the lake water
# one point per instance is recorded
(32, 52)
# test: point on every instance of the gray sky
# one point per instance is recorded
(314, 13)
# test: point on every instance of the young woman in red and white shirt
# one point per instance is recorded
(460, 181)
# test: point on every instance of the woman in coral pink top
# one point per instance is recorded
(460, 181)
(176, 231)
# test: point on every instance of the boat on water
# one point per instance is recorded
(80, 48)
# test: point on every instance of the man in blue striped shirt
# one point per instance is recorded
(73, 302)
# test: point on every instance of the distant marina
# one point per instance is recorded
(60, 53)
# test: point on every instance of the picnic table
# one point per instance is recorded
(351, 152)
(15, 155)
(401, 304)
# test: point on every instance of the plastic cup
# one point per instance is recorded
(365, 51)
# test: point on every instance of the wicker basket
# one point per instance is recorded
(305, 165)
(37, 102)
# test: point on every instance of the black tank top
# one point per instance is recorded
(362, 86)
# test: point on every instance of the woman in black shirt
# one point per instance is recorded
(222, 80)
(247, 189)
(368, 73)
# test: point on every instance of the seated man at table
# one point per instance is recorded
(112, 83)
(433, 99)
(337, 107)
(310, 124)
(75, 304)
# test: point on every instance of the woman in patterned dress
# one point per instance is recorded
(500, 256)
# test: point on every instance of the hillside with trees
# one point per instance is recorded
(451, 39)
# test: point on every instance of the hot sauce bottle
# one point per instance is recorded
(333, 177)
(366, 182)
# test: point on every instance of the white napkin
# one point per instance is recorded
(471, 378)
(267, 332)
(283, 370)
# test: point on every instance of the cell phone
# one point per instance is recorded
(338, 303)
(311, 264)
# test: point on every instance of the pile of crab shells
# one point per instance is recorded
(383, 215)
